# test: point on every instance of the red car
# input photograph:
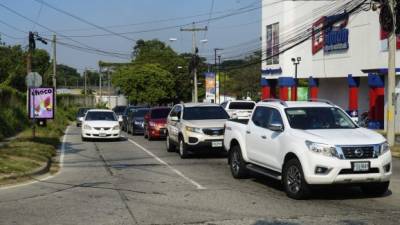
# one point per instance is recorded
(155, 123)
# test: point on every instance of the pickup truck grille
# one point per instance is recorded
(358, 152)
(104, 128)
(214, 131)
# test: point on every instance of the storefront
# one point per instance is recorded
(344, 60)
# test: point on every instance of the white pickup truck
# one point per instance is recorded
(307, 143)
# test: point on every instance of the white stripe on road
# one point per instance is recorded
(197, 185)
(45, 176)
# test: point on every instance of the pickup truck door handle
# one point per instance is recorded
(248, 132)
(264, 137)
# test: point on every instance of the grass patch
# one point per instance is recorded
(26, 154)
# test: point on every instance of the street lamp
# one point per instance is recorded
(296, 62)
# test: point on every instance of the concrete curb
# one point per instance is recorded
(38, 171)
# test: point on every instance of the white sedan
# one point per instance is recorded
(100, 124)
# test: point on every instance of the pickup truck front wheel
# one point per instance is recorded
(236, 163)
(170, 146)
(294, 183)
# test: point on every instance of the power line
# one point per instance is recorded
(84, 20)
(51, 30)
(235, 13)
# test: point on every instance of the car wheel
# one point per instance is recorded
(170, 146)
(375, 189)
(294, 183)
(149, 137)
(237, 164)
(183, 153)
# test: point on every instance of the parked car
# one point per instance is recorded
(155, 122)
(136, 121)
(195, 126)
(125, 116)
(119, 110)
(100, 124)
(239, 109)
(308, 143)
(80, 115)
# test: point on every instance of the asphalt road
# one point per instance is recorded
(137, 182)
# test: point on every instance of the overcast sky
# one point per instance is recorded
(132, 16)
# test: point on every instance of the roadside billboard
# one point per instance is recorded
(210, 86)
(41, 103)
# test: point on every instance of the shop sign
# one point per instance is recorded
(330, 33)
(271, 71)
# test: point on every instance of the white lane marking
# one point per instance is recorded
(197, 185)
(46, 177)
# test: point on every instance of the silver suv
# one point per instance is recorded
(195, 126)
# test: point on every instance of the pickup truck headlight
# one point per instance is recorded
(324, 149)
(116, 127)
(87, 127)
(384, 147)
(152, 124)
(194, 129)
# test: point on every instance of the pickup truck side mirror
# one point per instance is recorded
(120, 119)
(174, 118)
(277, 127)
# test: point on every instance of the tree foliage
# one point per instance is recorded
(145, 83)
(242, 77)
(13, 65)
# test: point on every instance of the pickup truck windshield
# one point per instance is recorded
(205, 113)
(318, 118)
(106, 116)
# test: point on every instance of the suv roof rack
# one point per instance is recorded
(320, 100)
(275, 100)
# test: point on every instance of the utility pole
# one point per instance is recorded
(31, 48)
(84, 74)
(54, 62)
(194, 29)
(215, 78)
(55, 70)
(100, 85)
(219, 81)
(109, 89)
(391, 80)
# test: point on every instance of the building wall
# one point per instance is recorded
(365, 47)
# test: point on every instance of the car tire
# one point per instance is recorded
(375, 189)
(294, 182)
(170, 146)
(236, 163)
(182, 148)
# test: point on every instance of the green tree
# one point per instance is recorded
(242, 76)
(67, 76)
(145, 83)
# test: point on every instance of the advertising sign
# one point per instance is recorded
(41, 103)
(210, 86)
(330, 33)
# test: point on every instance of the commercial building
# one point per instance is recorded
(336, 45)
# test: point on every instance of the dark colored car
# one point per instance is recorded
(126, 114)
(79, 116)
(136, 121)
(155, 123)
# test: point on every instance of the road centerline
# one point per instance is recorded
(179, 173)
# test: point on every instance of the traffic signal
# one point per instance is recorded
(32, 44)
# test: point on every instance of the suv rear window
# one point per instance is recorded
(318, 118)
(241, 105)
(204, 113)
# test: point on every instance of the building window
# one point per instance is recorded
(273, 44)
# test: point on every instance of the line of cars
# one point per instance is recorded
(302, 144)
